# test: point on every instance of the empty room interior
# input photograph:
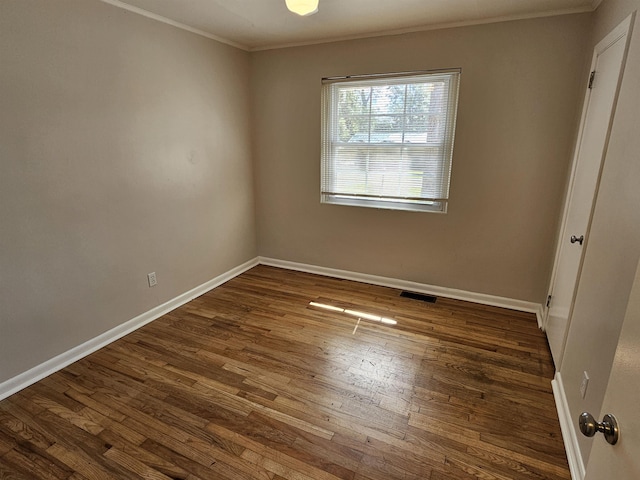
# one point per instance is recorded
(366, 241)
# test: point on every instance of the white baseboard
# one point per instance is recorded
(23, 380)
(569, 434)
(45, 369)
(480, 298)
(540, 316)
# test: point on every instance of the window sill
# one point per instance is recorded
(431, 207)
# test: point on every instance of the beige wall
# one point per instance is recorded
(519, 102)
(124, 149)
(126, 144)
(613, 246)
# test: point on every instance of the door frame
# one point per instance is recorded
(623, 29)
(570, 434)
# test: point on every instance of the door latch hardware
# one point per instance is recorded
(609, 427)
(575, 239)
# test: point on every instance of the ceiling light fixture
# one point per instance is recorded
(303, 7)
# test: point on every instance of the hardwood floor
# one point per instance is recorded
(251, 381)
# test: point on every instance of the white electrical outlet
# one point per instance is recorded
(584, 384)
(153, 281)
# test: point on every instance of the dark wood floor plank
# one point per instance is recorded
(9, 472)
(253, 381)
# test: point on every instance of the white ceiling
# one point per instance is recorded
(263, 24)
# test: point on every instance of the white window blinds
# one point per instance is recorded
(387, 141)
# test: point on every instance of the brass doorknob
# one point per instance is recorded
(609, 427)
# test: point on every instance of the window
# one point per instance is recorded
(387, 140)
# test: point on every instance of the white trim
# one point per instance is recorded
(623, 29)
(23, 380)
(173, 23)
(384, 33)
(426, 28)
(568, 195)
(481, 298)
(540, 312)
(569, 435)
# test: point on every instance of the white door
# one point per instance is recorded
(622, 460)
(595, 126)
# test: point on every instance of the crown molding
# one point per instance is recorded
(384, 33)
(173, 23)
(426, 28)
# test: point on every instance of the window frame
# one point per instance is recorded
(331, 144)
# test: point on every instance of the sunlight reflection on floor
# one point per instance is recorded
(355, 313)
